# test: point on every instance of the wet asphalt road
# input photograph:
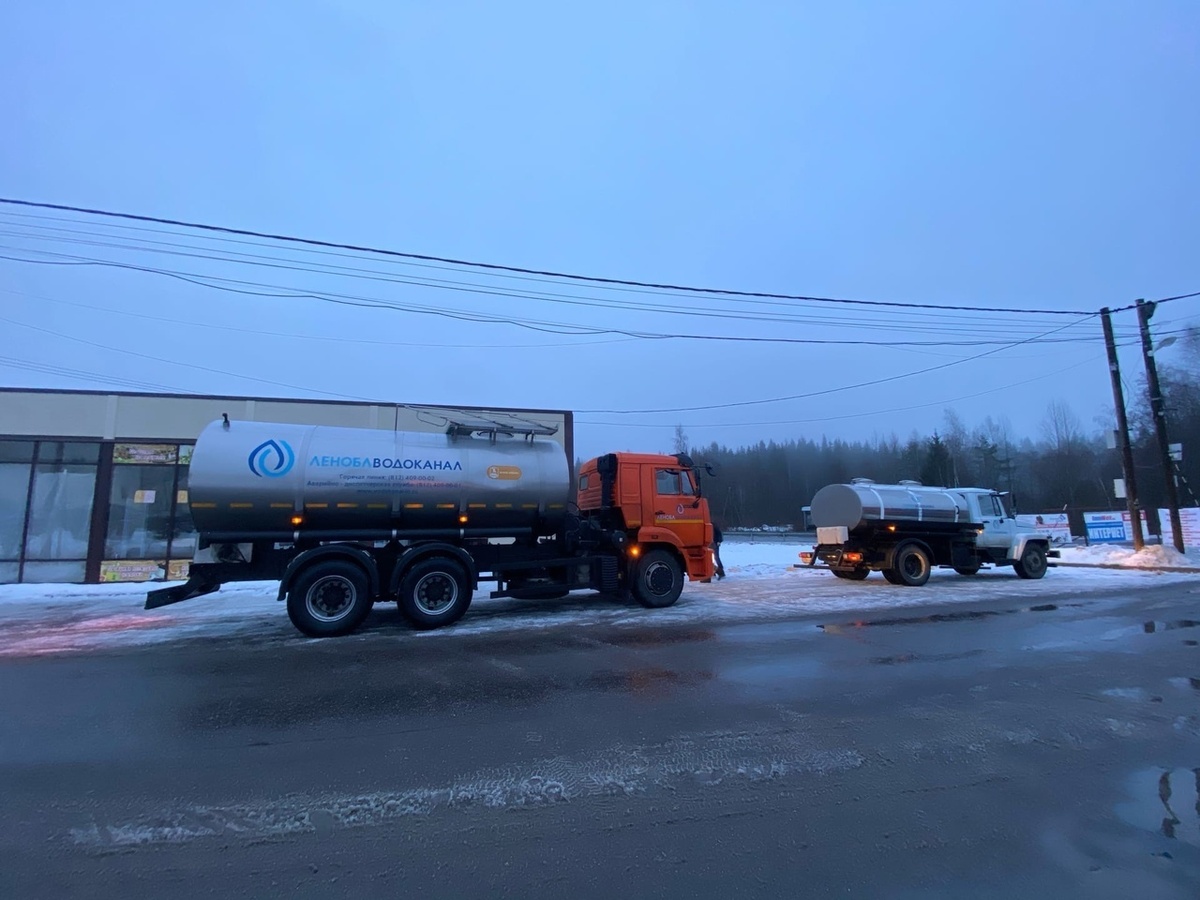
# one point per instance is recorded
(993, 751)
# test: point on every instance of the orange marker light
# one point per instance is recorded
(297, 520)
(462, 520)
(635, 550)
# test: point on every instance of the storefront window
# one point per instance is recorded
(149, 522)
(183, 544)
(47, 497)
(14, 493)
(139, 513)
(69, 572)
(16, 451)
(60, 508)
(16, 464)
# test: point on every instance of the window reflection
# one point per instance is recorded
(139, 513)
(60, 511)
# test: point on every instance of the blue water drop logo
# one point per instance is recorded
(272, 459)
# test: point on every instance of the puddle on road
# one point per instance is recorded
(1155, 627)
(774, 675)
(651, 680)
(1165, 801)
(658, 638)
(966, 616)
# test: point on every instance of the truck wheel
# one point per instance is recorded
(1032, 563)
(329, 599)
(434, 592)
(855, 574)
(657, 580)
(912, 565)
(890, 576)
(967, 570)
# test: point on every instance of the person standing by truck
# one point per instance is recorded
(716, 547)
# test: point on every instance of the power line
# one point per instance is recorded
(859, 415)
(559, 328)
(175, 362)
(301, 337)
(840, 322)
(871, 383)
(313, 242)
(1158, 302)
(378, 275)
(946, 324)
(64, 372)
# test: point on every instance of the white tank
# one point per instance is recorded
(863, 502)
(251, 478)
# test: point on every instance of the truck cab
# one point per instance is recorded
(656, 500)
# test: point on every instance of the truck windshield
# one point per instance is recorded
(673, 482)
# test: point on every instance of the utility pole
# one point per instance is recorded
(1145, 311)
(1114, 369)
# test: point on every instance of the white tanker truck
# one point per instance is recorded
(904, 530)
(346, 517)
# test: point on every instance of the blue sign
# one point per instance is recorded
(272, 459)
(1105, 528)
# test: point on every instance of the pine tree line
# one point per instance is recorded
(1066, 468)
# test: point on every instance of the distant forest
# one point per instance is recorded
(1066, 467)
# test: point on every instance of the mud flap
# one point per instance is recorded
(193, 587)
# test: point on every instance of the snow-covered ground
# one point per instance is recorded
(761, 585)
(1149, 557)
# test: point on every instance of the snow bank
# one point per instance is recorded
(1149, 557)
(761, 586)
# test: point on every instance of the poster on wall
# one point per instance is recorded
(130, 570)
(1054, 525)
(178, 569)
(1111, 527)
(1189, 519)
(146, 454)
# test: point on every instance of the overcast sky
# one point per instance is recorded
(1032, 155)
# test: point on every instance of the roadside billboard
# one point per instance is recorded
(1053, 525)
(1111, 527)
(1189, 519)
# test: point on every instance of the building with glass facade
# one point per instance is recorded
(93, 485)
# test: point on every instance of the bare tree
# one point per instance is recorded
(1061, 427)
(681, 440)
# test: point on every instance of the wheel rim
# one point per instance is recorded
(1034, 561)
(659, 578)
(435, 593)
(330, 598)
(912, 565)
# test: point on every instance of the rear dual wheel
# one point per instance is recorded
(434, 592)
(910, 566)
(329, 599)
